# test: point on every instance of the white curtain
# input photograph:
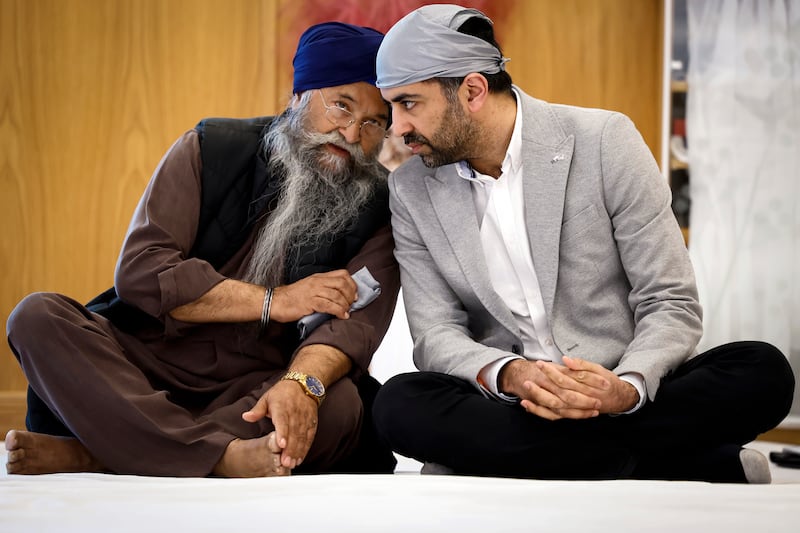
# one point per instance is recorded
(743, 135)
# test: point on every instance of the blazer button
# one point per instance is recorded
(516, 349)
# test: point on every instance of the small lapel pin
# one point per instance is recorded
(557, 157)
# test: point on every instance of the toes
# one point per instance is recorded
(273, 447)
(272, 443)
(16, 456)
(14, 463)
(12, 439)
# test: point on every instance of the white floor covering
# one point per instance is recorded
(405, 502)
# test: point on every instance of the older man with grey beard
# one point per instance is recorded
(192, 365)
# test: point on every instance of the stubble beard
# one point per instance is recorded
(452, 141)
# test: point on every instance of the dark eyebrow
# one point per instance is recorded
(404, 96)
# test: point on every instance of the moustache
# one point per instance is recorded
(321, 139)
(418, 139)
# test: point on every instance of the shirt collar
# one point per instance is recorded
(513, 159)
(514, 154)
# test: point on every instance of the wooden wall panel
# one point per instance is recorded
(92, 92)
(600, 53)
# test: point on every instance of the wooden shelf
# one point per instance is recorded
(679, 86)
(675, 164)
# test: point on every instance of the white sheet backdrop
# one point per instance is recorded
(394, 355)
(743, 132)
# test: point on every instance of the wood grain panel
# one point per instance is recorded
(12, 411)
(93, 93)
(604, 53)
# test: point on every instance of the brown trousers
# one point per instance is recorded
(158, 408)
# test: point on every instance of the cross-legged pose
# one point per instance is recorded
(548, 290)
(193, 364)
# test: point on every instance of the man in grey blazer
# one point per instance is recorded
(549, 293)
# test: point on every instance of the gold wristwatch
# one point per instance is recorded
(311, 385)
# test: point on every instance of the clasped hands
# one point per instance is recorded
(577, 389)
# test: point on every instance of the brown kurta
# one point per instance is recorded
(168, 402)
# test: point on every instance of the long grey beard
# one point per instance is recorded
(321, 194)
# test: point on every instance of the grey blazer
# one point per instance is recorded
(615, 275)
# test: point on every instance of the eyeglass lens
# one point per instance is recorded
(344, 119)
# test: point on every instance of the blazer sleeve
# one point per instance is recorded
(663, 295)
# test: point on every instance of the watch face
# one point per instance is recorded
(315, 386)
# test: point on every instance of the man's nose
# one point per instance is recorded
(351, 133)
(399, 129)
(391, 131)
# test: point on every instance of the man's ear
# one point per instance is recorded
(295, 101)
(477, 90)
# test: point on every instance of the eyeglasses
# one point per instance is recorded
(342, 118)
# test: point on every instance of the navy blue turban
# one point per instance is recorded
(335, 53)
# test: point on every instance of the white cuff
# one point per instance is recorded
(637, 380)
(487, 379)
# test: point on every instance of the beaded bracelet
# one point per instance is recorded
(265, 309)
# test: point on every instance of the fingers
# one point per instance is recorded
(294, 416)
(582, 377)
(300, 437)
(274, 447)
(553, 391)
(557, 414)
(556, 390)
(328, 292)
(578, 389)
(259, 410)
(582, 365)
(332, 302)
(615, 394)
(336, 287)
(562, 403)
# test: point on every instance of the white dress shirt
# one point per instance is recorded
(504, 237)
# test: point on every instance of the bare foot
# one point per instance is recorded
(259, 457)
(37, 453)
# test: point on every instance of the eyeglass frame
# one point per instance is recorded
(351, 120)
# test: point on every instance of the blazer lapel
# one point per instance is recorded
(547, 155)
(451, 197)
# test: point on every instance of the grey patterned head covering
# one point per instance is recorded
(426, 44)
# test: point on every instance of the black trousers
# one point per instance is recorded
(703, 412)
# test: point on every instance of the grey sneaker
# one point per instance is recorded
(755, 466)
(436, 469)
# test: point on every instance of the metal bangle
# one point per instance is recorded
(265, 308)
